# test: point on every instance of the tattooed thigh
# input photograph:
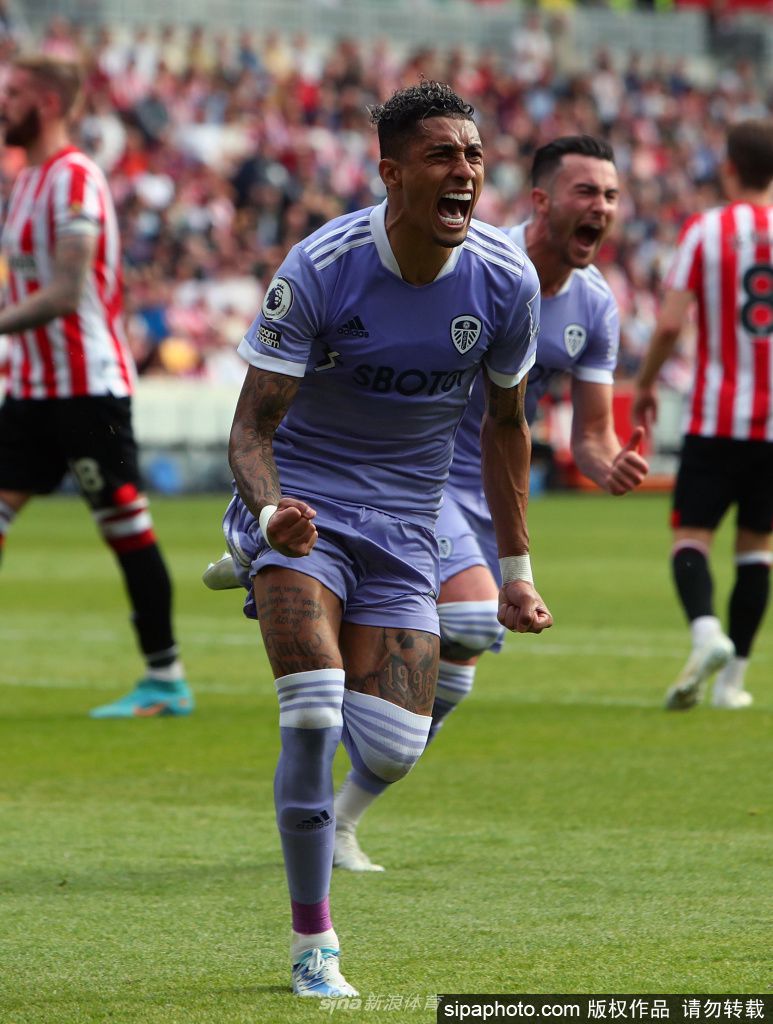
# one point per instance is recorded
(299, 620)
(398, 665)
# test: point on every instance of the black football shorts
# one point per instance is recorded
(717, 472)
(41, 439)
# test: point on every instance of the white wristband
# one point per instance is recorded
(265, 514)
(515, 567)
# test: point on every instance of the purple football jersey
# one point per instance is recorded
(579, 334)
(386, 366)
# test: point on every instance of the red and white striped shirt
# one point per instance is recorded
(83, 352)
(725, 258)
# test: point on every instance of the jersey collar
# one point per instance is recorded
(64, 151)
(384, 249)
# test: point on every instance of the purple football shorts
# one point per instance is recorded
(465, 537)
(465, 534)
(383, 569)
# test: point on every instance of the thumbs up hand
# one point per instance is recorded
(628, 468)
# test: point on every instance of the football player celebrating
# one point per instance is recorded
(361, 364)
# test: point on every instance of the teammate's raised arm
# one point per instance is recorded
(596, 448)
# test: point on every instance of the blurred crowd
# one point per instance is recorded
(225, 148)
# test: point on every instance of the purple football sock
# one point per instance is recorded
(311, 918)
(310, 729)
(303, 795)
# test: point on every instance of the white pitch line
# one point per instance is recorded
(66, 684)
(611, 645)
(597, 651)
(540, 650)
(106, 636)
(215, 688)
(260, 690)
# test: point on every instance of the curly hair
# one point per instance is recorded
(398, 120)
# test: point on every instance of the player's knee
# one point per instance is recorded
(384, 741)
(468, 628)
(125, 521)
(393, 765)
(311, 702)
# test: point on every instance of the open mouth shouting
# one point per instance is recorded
(454, 208)
(588, 237)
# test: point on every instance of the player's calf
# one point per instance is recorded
(123, 518)
(749, 599)
(384, 742)
(125, 521)
(453, 685)
(310, 724)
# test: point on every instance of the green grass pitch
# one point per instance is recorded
(564, 834)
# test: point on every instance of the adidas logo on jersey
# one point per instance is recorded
(321, 820)
(354, 328)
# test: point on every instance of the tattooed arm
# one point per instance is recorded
(263, 402)
(505, 444)
(73, 257)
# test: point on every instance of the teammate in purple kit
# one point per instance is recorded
(361, 363)
(574, 197)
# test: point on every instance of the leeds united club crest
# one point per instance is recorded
(465, 331)
(574, 338)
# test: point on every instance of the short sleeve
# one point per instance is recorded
(599, 357)
(281, 336)
(76, 200)
(512, 354)
(684, 273)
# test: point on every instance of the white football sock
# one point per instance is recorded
(351, 802)
(704, 628)
(169, 673)
(731, 677)
(301, 943)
